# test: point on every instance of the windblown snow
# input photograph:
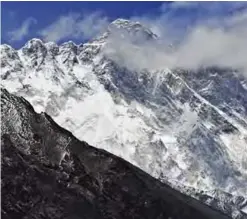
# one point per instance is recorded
(177, 125)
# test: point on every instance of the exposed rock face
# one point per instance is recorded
(185, 128)
(48, 173)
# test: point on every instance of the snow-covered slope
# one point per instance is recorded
(48, 173)
(179, 126)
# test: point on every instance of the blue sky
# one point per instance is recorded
(44, 13)
(80, 21)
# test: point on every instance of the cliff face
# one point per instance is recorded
(182, 127)
(48, 173)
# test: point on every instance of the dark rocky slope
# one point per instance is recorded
(48, 173)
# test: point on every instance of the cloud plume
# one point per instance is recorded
(22, 31)
(219, 39)
(75, 26)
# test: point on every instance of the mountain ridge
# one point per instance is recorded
(40, 153)
(157, 120)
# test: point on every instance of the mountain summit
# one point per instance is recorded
(186, 128)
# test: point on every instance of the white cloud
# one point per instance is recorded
(214, 34)
(75, 26)
(219, 39)
(11, 14)
(212, 8)
(22, 31)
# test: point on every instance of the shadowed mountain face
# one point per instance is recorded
(48, 173)
(182, 127)
(186, 128)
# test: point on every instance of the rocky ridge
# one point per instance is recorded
(176, 125)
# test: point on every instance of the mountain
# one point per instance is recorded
(48, 173)
(186, 128)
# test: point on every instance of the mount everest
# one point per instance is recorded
(184, 127)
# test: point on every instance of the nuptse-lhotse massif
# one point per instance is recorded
(186, 129)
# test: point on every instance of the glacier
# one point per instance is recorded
(181, 126)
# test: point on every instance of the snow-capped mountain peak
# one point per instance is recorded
(128, 25)
(123, 28)
(34, 46)
(176, 125)
(52, 48)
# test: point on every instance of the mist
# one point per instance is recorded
(216, 41)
